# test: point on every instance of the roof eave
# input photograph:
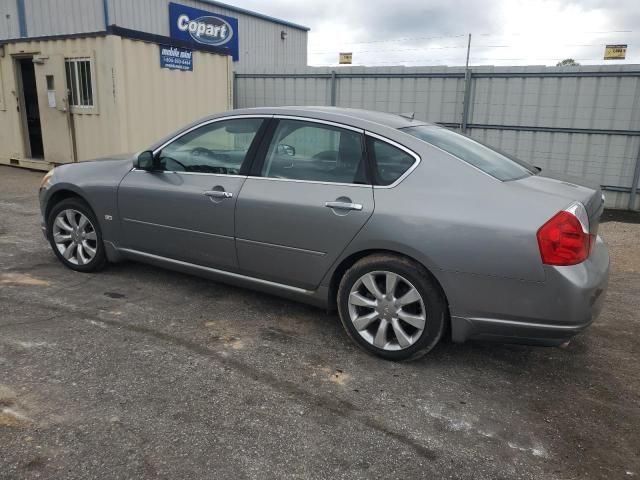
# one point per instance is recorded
(255, 14)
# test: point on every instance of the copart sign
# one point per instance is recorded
(207, 28)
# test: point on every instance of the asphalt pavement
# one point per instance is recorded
(139, 372)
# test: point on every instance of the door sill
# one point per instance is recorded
(223, 274)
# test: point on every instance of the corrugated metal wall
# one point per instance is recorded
(57, 17)
(9, 26)
(51, 17)
(260, 42)
(583, 121)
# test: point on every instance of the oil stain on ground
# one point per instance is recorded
(114, 295)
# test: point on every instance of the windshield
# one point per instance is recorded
(490, 161)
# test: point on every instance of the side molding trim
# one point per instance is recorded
(214, 271)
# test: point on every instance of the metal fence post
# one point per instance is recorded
(465, 97)
(465, 101)
(634, 185)
(234, 93)
(333, 88)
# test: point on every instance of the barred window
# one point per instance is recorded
(79, 82)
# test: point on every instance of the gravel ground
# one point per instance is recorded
(138, 372)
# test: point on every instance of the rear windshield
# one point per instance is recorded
(490, 161)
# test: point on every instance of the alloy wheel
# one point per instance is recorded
(387, 310)
(75, 237)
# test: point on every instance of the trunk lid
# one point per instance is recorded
(572, 189)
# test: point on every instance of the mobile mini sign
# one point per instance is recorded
(207, 28)
(176, 58)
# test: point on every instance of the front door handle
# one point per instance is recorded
(344, 205)
(218, 194)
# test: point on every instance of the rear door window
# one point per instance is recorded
(301, 150)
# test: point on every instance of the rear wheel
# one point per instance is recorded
(75, 236)
(391, 307)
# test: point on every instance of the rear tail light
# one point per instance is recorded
(565, 239)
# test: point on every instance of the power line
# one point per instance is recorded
(604, 32)
(456, 47)
(404, 39)
(515, 46)
(415, 48)
(435, 61)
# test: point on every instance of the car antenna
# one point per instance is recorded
(410, 116)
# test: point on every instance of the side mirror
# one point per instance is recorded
(144, 161)
(284, 149)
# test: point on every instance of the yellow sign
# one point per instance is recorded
(346, 58)
(615, 52)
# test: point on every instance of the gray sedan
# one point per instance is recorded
(411, 231)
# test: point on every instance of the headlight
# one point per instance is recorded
(46, 179)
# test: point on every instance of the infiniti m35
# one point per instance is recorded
(412, 232)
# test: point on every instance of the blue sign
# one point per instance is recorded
(176, 58)
(207, 28)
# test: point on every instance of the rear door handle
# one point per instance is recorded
(218, 194)
(344, 205)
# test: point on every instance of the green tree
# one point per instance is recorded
(568, 62)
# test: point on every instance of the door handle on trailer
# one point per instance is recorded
(344, 205)
(218, 194)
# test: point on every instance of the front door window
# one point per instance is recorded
(219, 147)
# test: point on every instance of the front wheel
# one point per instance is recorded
(391, 307)
(75, 236)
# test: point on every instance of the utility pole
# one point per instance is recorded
(467, 87)
(468, 51)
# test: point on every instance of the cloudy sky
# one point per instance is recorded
(434, 32)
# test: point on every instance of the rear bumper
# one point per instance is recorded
(550, 313)
(505, 331)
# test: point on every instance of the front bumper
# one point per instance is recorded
(547, 313)
(43, 222)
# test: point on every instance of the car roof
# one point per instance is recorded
(352, 116)
(386, 124)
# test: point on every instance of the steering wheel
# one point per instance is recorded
(198, 151)
(169, 159)
(201, 151)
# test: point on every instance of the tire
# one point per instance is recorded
(397, 339)
(86, 236)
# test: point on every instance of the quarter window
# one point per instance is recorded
(390, 162)
(219, 147)
(315, 152)
(79, 82)
(487, 159)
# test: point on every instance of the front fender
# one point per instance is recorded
(97, 184)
